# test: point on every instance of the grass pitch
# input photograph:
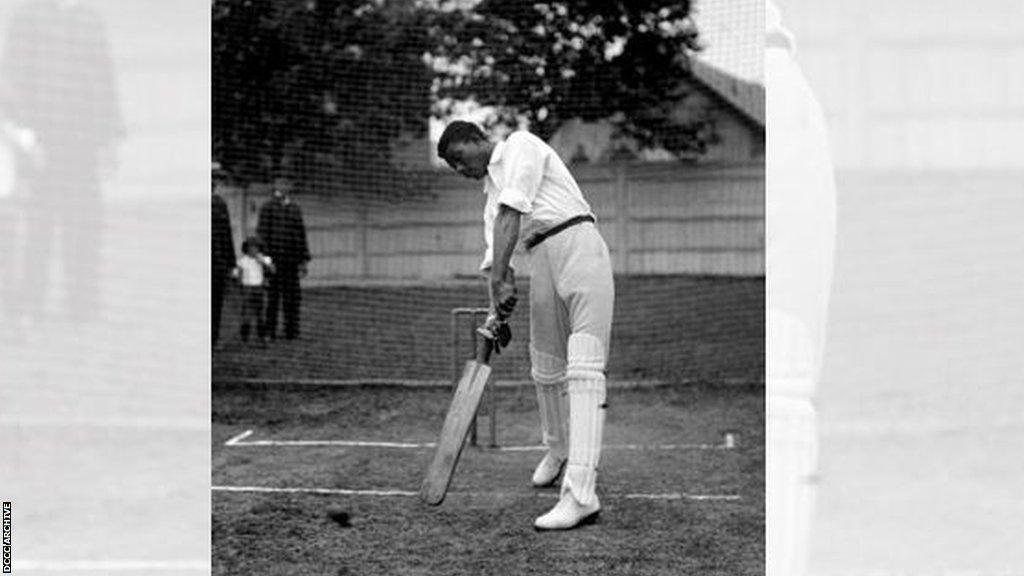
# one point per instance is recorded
(653, 520)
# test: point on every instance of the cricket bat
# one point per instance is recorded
(467, 397)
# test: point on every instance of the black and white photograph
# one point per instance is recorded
(708, 287)
(488, 287)
(894, 449)
(104, 298)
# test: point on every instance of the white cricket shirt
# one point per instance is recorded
(527, 175)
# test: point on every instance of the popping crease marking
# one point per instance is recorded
(241, 440)
(405, 493)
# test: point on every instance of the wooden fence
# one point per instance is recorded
(657, 219)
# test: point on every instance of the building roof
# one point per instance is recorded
(595, 140)
(746, 98)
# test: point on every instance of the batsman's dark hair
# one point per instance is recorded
(458, 131)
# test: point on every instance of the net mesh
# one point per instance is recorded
(347, 99)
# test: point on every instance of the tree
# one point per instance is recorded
(319, 89)
(322, 89)
(551, 61)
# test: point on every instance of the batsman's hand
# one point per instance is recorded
(497, 331)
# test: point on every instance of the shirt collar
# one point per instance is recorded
(499, 149)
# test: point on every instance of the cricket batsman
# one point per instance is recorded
(800, 239)
(530, 193)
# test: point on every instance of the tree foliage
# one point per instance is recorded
(326, 87)
(318, 87)
(549, 62)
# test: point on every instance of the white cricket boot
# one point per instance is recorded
(548, 471)
(569, 513)
(554, 416)
(579, 503)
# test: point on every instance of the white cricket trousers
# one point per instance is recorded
(572, 295)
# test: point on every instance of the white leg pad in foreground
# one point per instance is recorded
(552, 399)
(587, 395)
(792, 454)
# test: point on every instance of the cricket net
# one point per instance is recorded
(347, 101)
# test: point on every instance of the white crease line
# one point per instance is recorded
(239, 440)
(406, 493)
(342, 443)
(335, 491)
(108, 566)
(682, 496)
(446, 383)
(638, 447)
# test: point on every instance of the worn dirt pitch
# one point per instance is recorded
(484, 527)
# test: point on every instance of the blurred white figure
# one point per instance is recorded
(11, 138)
(800, 238)
(59, 108)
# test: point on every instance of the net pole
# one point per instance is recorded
(473, 341)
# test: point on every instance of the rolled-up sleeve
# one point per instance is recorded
(523, 171)
(490, 213)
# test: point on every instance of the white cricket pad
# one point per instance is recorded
(790, 356)
(586, 427)
(792, 454)
(553, 402)
(586, 357)
(546, 368)
(548, 373)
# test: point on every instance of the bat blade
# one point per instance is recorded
(453, 435)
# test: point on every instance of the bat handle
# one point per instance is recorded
(484, 348)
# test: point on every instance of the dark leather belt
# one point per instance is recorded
(539, 237)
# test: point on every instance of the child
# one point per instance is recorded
(251, 272)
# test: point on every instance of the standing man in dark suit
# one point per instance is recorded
(223, 256)
(284, 235)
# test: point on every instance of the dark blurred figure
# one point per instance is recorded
(284, 236)
(58, 94)
(223, 256)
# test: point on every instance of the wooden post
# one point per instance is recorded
(362, 240)
(622, 215)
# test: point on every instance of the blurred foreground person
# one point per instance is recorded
(800, 240)
(59, 97)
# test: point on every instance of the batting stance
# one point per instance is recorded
(530, 192)
(800, 237)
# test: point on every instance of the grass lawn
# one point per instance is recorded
(674, 328)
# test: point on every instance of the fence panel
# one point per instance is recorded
(656, 218)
